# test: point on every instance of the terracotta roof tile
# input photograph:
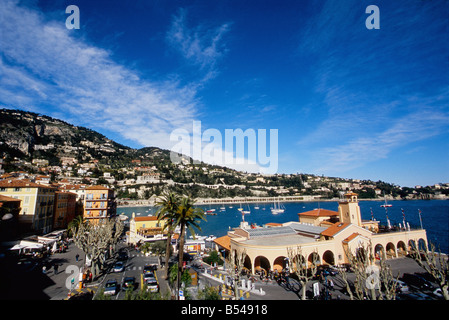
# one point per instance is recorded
(224, 242)
(97, 188)
(22, 183)
(273, 224)
(334, 229)
(319, 213)
(148, 218)
(6, 198)
(352, 236)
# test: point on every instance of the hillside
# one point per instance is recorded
(31, 135)
(37, 143)
(32, 142)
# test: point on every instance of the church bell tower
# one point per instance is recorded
(349, 210)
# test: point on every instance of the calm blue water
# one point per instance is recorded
(434, 213)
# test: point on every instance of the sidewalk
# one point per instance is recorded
(164, 287)
(59, 291)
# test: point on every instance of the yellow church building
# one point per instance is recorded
(321, 234)
(145, 228)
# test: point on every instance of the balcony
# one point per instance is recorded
(97, 199)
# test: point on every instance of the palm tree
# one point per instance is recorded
(74, 225)
(187, 216)
(169, 203)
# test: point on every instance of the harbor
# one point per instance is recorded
(122, 203)
(434, 215)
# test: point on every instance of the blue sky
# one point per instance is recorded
(346, 101)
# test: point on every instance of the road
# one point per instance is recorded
(133, 268)
(53, 284)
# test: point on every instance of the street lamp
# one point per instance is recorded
(224, 257)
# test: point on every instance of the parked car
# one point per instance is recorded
(28, 265)
(119, 266)
(152, 285)
(327, 270)
(129, 282)
(417, 281)
(149, 276)
(149, 268)
(413, 296)
(82, 296)
(401, 287)
(122, 256)
(111, 287)
(438, 293)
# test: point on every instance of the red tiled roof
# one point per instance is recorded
(319, 213)
(97, 188)
(6, 198)
(352, 236)
(224, 242)
(73, 186)
(22, 183)
(273, 224)
(150, 218)
(334, 229)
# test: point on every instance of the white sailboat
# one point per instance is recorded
(210, 210)
(277, 208)
(385, 205)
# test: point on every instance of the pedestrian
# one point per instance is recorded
(56, 268)
(77, 257)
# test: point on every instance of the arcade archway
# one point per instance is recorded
(261, 264)
(328, 258)
(280, 263)
(379, 251)
(314, 258)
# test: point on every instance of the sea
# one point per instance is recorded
(432, 215)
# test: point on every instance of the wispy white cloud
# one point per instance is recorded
(45, 69)
(404, 131)
(44, 66)
(375, 92)
(202, 45)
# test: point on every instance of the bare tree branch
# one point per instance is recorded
(235, 261)
(372, 281)
(436, 264)
(96, 240)
(299, 266)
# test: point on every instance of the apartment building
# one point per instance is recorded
(9, 213)
(36, 213)
(64, 210)
(99, 202)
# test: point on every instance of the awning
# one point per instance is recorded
(17, 247)
(26, 246)
(31, 245)
(45, 240)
